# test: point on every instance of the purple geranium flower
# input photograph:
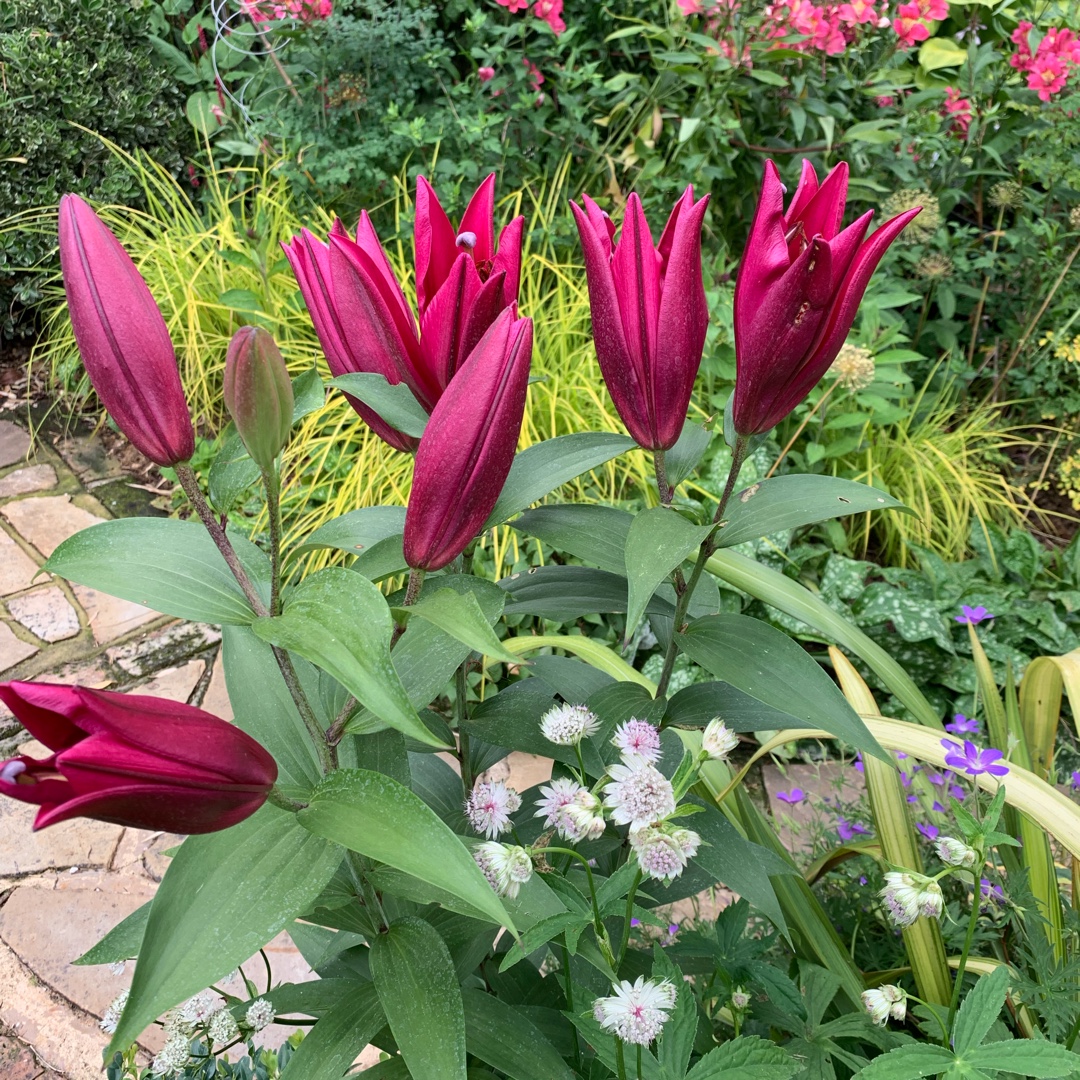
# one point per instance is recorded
(973, 615)
(1076, 779)
(795, 795)
(928, 830)
(862, 879)
(859, 766)
(937, 807)
(905, 779)
(913, 798)
(961, 725)
(990, 892)
(972, 760)
(635, 922)
(957, 792)
(848, 830)
(936, 778)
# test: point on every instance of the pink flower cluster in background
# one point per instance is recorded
(548, 10)
(261, 11)
(827, 28)
(1049, 67)
(958, 110)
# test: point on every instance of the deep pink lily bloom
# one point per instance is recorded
(648, 313)
(463, 280)
(468, 446)
(122, 337)
(133, 760)
(800, 284)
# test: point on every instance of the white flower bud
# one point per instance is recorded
(953, 852)
(717, 741)
(885, 1002)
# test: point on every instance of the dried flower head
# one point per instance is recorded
(489, 807)
(922, 227)
(934, 265)
(637, 1011)
(567, 725)
(853, 367)
(1007, 194)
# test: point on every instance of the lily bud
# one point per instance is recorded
(258, 394)
(468, 446)
(137, 761)
(648, 313)
(122, 337)
(800, 284)
(463, 280)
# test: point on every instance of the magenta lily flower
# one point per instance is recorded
(133, 760)
(800, 284)
(363, 320)
(468, 446)
(122, 337)
(648, 312)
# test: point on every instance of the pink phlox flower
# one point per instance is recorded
(909, 26)
(936, 10)
(958, 110)
(551, 12)
(857, 12)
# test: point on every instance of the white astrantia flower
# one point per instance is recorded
(172, 1057)
(908, 895)
(558, 795)
(638, 795)
(184, 1019)
(112, 1014)
(885, 1002)
(740, 999)
(260, 1014)
(489, 807)
(507, 868)
(584, 818)
(637, 1011)
(222, 1028)
(953, 852)
(717, 741)
(567, 725)
(638, 741)
(662, 851)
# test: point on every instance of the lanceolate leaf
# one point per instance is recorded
(786, 502)
(683, 458)
(500, 1035)
(380, 818)
(594, 534)
(394, 403)
(540, 469)
(658, 541)
(372, 534)
(565, 593)
(419, 993)
(170, 566)
(122, 942)
(330, 1048)
(766, 664)
(224, 896)
(459, 615)
(339, 621)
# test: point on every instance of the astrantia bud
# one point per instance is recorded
(740, 999)
(885, 1002)
(717, 741)
(584, 817)
(908, 895)
(953, 852)
(258, 394)
(223, 1028)
(506, 868)
(260, 1014)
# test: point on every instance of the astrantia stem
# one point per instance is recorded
(969, 937)
(620, 1059)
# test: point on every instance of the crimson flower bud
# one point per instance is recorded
(138, 761)
(468, 446)
(258, 394)
(648, 313)
(800, 284)
(122, 337)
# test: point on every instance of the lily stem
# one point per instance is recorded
(461, 717)
(272, 485)
(666, 491)
(738, 456)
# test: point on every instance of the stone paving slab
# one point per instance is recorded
(14, 443)
(17, 569)
(46, 613)
(25, 481)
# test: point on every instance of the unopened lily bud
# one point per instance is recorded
(717, 741)
(953, 852)
(885, 1002)
(258, 394)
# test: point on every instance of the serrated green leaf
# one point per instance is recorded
(908, 1063)
(1028, 1057)
(979, 1010)
(746, 1058)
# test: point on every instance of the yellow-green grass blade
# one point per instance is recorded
(896, 833)
(592, 652)
(1041, 690)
